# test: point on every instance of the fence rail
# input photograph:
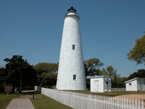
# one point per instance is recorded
(118, 89)
(88, 101)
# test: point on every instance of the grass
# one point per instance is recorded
(44, 102)
(41, 102)
(3, 99)
(113, 93)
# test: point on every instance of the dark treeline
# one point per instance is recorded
(19, 73)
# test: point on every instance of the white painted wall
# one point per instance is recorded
(71, 61)
(98, 84)
(132, 87)
(137, 84)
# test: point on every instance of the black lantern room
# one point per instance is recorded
(71, 10)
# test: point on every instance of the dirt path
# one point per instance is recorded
(29, 91)
(27, 96)
(138, 97)
(132, 96)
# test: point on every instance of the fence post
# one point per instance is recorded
(90, 98)
(105, 102)
(139, 104)
(116, 103)
(94, 101)
(122, 103)
(117, 99)
(136, 103)
(113, 103)
(142, 104)
(102, 101)
(132, 103)
(71, 99)
(108, 102)
(127, 102)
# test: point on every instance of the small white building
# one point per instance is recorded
(135, 84)
(100, 83)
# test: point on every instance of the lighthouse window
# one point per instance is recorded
(73, 47)
(74, 77)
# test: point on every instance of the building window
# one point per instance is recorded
(73, 47)
(130, 84)
(74, 77)
(106, 82)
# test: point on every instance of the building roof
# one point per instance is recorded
(133, 79)
(103, 76)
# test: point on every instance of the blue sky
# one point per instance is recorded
(109, 28)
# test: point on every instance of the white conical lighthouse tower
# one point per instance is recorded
(71, 74)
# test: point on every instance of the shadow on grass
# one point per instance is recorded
(30, 93)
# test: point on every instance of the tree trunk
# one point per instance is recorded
(20, 90)
(42, 82)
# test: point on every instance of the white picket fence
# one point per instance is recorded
(88, 101)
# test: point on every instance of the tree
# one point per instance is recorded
(1, 67)
(120, 82)
(46, 73)
(3, 74)
(92, 67)
(29, 78)
(110, 71)
(3, 78)
(47, 79)
(140, 73)
(104, 72)
(138, 52)
(88, 84)
(43, 76)
(46, 67)
(17, 69)
(113, 73)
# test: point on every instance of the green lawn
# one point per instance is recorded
(3, 99)
(113, 93)
(44, 102)
(41, 102)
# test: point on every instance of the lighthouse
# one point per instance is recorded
(71, 74)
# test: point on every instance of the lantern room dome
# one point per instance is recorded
(71, 10)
